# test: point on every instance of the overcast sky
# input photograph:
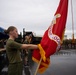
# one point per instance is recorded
(33, 15)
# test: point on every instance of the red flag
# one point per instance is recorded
(52, 38)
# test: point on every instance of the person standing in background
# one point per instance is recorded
(25, 52)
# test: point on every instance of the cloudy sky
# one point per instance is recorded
(33, 15)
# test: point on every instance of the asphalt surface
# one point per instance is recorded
(62, 63)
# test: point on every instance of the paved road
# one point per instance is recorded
(61, 64)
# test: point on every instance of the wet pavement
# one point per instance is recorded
(62, 63)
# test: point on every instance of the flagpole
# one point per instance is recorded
(38, 67)
(72, 22)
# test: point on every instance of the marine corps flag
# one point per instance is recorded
(52, 38)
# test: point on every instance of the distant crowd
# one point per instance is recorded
(69, 44)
